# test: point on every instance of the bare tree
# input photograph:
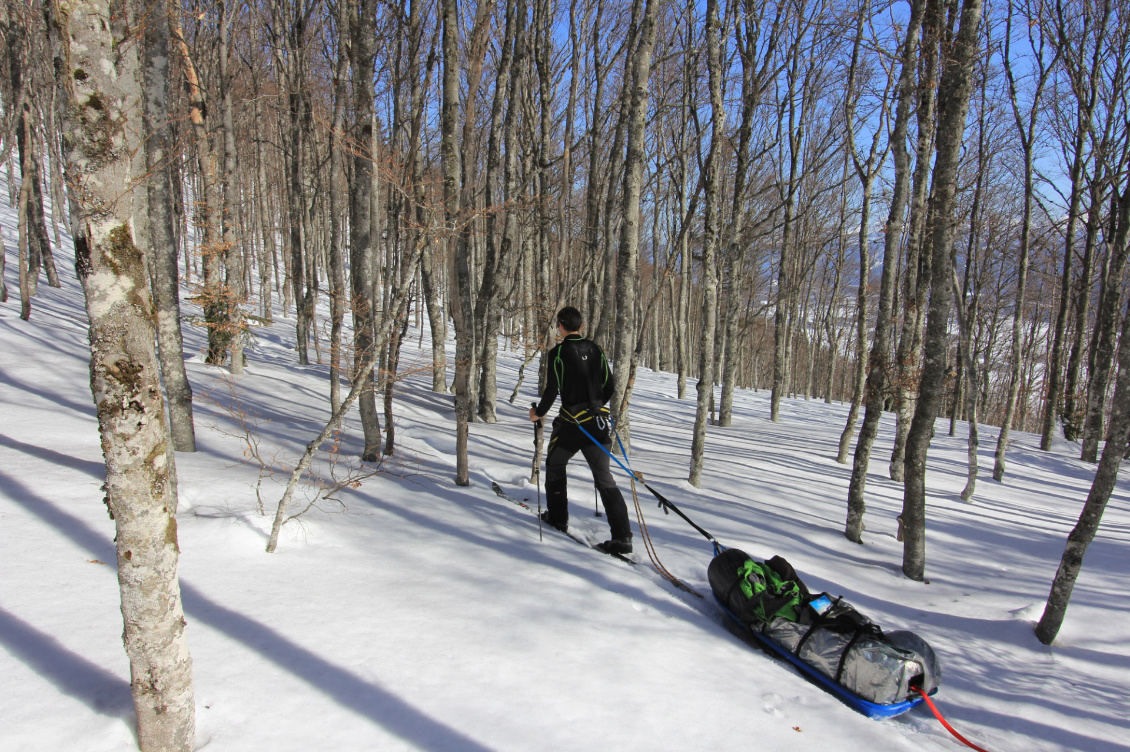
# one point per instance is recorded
(953, 105)
(362, 30)
(1074, 40)
(97, 68)
(162, 245)
(1083, 533)
(710, 241)
(867, 170)
(878, 362)
(634, 101)
(1026, 130)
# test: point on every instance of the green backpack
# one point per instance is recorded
(769, 594)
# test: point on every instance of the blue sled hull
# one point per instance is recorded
(841, 693)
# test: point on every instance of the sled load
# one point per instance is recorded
(831, 643)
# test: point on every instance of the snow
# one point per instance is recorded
(418, 615)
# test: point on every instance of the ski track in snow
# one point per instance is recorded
(415, 614)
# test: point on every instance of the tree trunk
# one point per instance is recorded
(140, 487)
(953, 105)
(1106, 321)
(498, 243)
(710, 240)
(637, 96)
(336, 266)
(32, 226)
(268, 259)
(162, 234)
(879, 361)
(686, 262)
(1027, 136)
(362, 30)
(233, 252)
(212, 296)
(916, 271)
(449, 155)
(1105, 477)
(784, 299)
(867, 171)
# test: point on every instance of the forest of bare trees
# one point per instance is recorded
(919, 206)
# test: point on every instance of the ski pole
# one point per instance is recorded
(537, 464)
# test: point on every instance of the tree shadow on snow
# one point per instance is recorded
(91, 684)
(99, 689)
(96, 470)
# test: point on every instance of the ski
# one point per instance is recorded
(597, 547)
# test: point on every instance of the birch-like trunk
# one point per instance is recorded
(101, 81)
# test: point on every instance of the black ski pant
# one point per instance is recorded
(566, 441)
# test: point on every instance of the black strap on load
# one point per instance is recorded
(843, 656)
(817, 623)
(666, 505)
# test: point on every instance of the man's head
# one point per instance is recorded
(570, 319)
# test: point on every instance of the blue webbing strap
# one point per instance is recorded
(663, 502)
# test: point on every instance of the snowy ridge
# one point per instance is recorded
(420, 615)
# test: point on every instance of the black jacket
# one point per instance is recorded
(577, 370)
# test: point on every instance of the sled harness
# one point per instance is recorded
(665, 504)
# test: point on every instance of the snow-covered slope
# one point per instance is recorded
(420, 615)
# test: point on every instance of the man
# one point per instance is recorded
(577, 370)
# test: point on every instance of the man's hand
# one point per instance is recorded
(534, 415)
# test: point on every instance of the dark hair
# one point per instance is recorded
(570, 318)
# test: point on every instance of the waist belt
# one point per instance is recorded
(583, 413)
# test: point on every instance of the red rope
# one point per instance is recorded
(938, 715)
